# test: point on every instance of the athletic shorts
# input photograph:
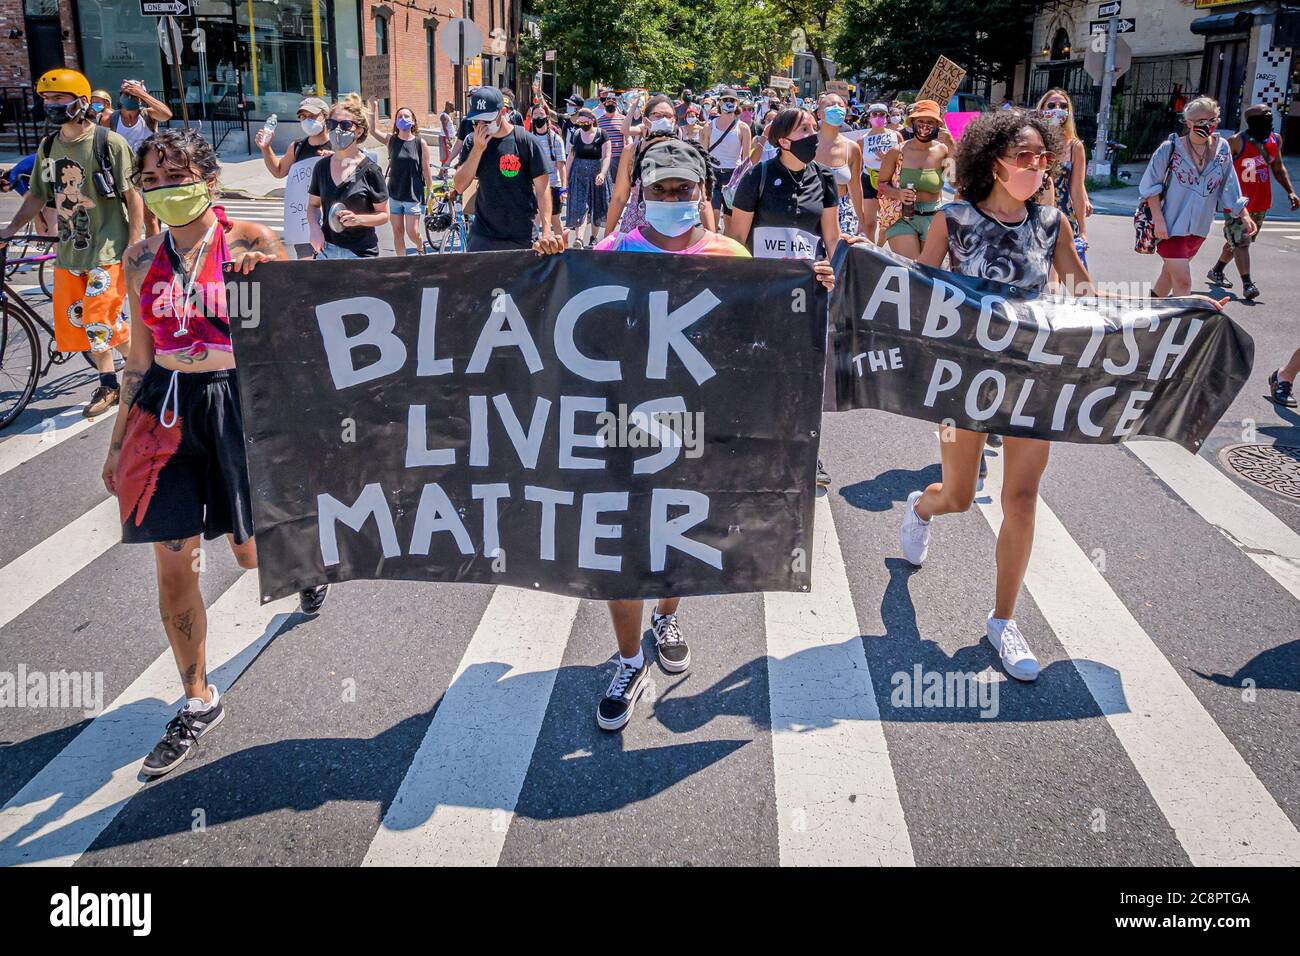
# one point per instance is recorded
(720, 178)
(1179, 247)
(870, 189)
(557, 201)
(1234, 230)
(182, 469)
(88, 309)
(918, 225)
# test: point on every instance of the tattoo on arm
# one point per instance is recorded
(131, 380)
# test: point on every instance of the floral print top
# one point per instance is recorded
(1019, 254)
(1194, 195)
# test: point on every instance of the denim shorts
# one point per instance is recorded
(331, 251)
(398, 208)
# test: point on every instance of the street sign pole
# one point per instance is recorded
(460, 69)
(176, 68)
(1103, 114)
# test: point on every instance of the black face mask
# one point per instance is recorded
(60, 113)
(610, 107)
(804, 150)
(1259, 126)
(926, 137)
(539, 126)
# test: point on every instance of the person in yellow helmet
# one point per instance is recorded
(85, 172)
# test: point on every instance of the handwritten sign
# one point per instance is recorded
(295, 201)
(375, 77)
(943, 81)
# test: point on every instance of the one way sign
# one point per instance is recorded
(1109, 9)
(164, 8)
(1122, 25)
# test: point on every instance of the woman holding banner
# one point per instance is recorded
(176, 459)
(997, 232)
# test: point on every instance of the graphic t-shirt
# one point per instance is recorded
(787, 209)
(505, 204)
(92, 230)
(875, 144)
(713, 244)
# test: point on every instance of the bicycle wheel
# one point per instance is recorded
(20, 363)
(44, 277)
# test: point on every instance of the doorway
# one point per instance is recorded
(1224, 72)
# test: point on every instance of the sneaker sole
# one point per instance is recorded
(163, 771)
(621, 722)
(1006, 669)
(671, 668)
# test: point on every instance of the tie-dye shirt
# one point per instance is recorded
(713, 244)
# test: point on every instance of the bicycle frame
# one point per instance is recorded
(11, 298)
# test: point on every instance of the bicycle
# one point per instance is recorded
(445, 227)
(26, 260)
(22, 364)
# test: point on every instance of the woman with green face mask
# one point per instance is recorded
(176, 459)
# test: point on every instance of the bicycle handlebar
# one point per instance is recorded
(47, 240)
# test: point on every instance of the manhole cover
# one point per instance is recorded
(1275, 467)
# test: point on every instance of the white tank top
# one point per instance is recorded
(134, 135)
(726, 151)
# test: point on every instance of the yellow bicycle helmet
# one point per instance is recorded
(63, 80)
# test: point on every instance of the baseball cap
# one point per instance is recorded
(484, 104)
(877, 108)
(727, 93)
(313, 105)
(671, 159)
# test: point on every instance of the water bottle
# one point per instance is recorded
(269, 127)
(908, 208)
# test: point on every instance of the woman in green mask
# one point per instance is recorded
(176, 459)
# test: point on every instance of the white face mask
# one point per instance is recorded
(312, 126)
(661, 124)
(494, 127)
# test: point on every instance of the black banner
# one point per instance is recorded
(990, 357)
(607, 425)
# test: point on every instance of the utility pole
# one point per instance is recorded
(1103, 113)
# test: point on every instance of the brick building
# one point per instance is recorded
(35, 36)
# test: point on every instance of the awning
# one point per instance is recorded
(1222, 23)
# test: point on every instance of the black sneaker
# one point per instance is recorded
(615, 708)
(182, 732)
(674, 652)
(823, 476)
(1250, 291)
(1281, 390)
(310, 600)
(1217, 277)
(984, 467)
(994, 441)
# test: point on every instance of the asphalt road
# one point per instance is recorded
(437, 724)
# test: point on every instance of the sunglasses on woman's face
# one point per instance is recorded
(1026, 158)
(345, 125)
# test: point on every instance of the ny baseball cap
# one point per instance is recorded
(485, 103)
(313, 105)
(671, 159)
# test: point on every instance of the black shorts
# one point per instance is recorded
(477, 243)
(720, 178)
(868, 191)
(182, 470)
(557, 200)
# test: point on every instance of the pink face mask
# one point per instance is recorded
(1022, 184)
(878, 121)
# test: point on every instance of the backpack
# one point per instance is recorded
(103, 176)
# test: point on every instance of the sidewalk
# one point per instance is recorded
(1125, 199)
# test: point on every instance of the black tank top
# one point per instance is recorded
(405, 178)
(303, 149)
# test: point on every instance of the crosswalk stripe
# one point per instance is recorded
(45, 434)
(38, 571)
(1221, 813)
(55, 818)
(1261, 535)
(836, 796)
(455, 804)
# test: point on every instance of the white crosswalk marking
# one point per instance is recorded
(45, 434)
(1221, 813)
(1214, 496)
(837, 801)
(38, 571)
(456, 802)
(54, 818)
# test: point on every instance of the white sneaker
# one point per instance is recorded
(915, 533)
(1017, 659)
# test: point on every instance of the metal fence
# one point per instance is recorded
(20, 130)
(1144, 104)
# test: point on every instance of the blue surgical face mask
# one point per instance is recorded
(130, 102)
(672, 218)
(403, 123)
(835, 115)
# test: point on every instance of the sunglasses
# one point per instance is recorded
(731, 101)
(345, 125)
(1027, 158)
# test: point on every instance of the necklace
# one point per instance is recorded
(182, 314)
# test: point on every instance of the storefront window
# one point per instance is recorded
(291, 53)
(118, 44)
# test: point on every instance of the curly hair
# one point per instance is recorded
(988, 137)
(178, 148)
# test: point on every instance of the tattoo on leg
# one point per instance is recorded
(184, 622)
(187, 675)
(174, 545)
